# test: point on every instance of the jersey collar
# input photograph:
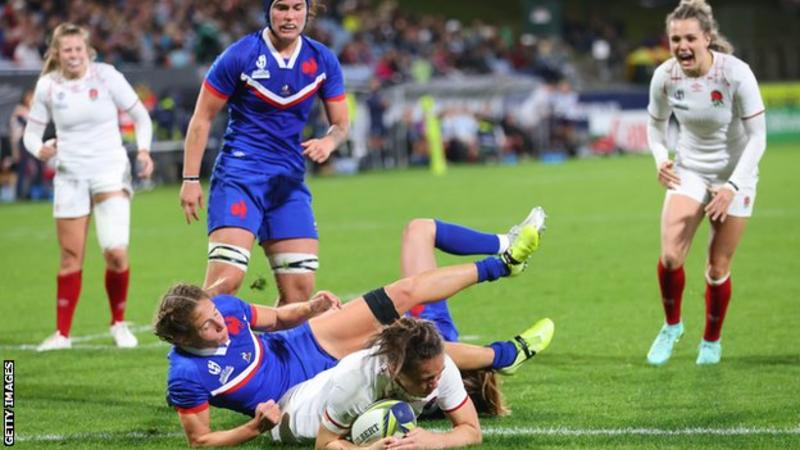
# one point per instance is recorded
(282, 63)
(218, 351)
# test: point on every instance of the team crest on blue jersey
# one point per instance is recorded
(214, 368)
(261, 72)
(234, 325)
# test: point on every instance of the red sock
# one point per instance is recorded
(117, 290)
(68, 291)
(717, 299)
(672, 283)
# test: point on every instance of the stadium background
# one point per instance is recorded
(540, 102)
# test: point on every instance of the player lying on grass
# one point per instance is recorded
(406, 361)
(217, 359)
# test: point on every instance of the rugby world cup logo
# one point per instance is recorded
(716, 98)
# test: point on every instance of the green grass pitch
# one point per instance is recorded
(594, 276)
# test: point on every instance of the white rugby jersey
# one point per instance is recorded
(85, 112)
(710, 110)
(337, 396)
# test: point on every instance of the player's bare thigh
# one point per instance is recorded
(724, 239)
(293, 287)
(680, 217)
(223, 278)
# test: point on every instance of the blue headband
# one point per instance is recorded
(268, 8)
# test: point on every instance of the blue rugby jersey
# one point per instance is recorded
(252, 368)
(270, 98)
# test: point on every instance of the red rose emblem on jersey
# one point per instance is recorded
(93, 94)
(309, 67)
(716, 98)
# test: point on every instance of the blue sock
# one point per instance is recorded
(491, 268)
(505, 352)
(458, 240)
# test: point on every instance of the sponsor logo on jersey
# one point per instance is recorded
(678, 94)
(285, 90)
(214, 368)
(716, 98)
(247, 356)
(261, 72)
(225, 374)
(309, 67)
(697, 87)
(747, 201)
(233, 324)
(92, 94)
(239, 209)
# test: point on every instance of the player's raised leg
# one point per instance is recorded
(385, 305)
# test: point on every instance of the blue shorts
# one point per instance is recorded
(300, 353)
(439, 314)
(271, 202)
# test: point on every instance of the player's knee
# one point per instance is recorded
(672, 259)
(69, 260)
(402, 294)
(718, 270)
(112, 221)
(116, 259)
(228, 282)
(419, 228)
(296, 290)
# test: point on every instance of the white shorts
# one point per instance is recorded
(73, 195)
(697, 186)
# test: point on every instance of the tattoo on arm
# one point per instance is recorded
(337, 134)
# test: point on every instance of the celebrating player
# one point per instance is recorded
(83, 99)
(715, 99)
(269, 80)
(217, 360)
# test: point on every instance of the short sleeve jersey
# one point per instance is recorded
(85, 112)
(709, 109)
(361, 379)
(248, 370)
(270, 97)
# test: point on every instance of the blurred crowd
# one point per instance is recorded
(379, 46)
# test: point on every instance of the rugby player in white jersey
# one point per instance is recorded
(83, 98)
(407, 362)
(716, 101)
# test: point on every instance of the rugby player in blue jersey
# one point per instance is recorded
(218, 360)
(269, 80)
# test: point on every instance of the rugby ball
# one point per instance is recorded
(383, 419)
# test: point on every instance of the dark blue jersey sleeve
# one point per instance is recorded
(184, 392)
(224, 75)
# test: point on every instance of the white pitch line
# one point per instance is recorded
(488, 431)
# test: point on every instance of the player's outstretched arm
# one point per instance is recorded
(197, 427)
(291, 315)
(466, 431)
